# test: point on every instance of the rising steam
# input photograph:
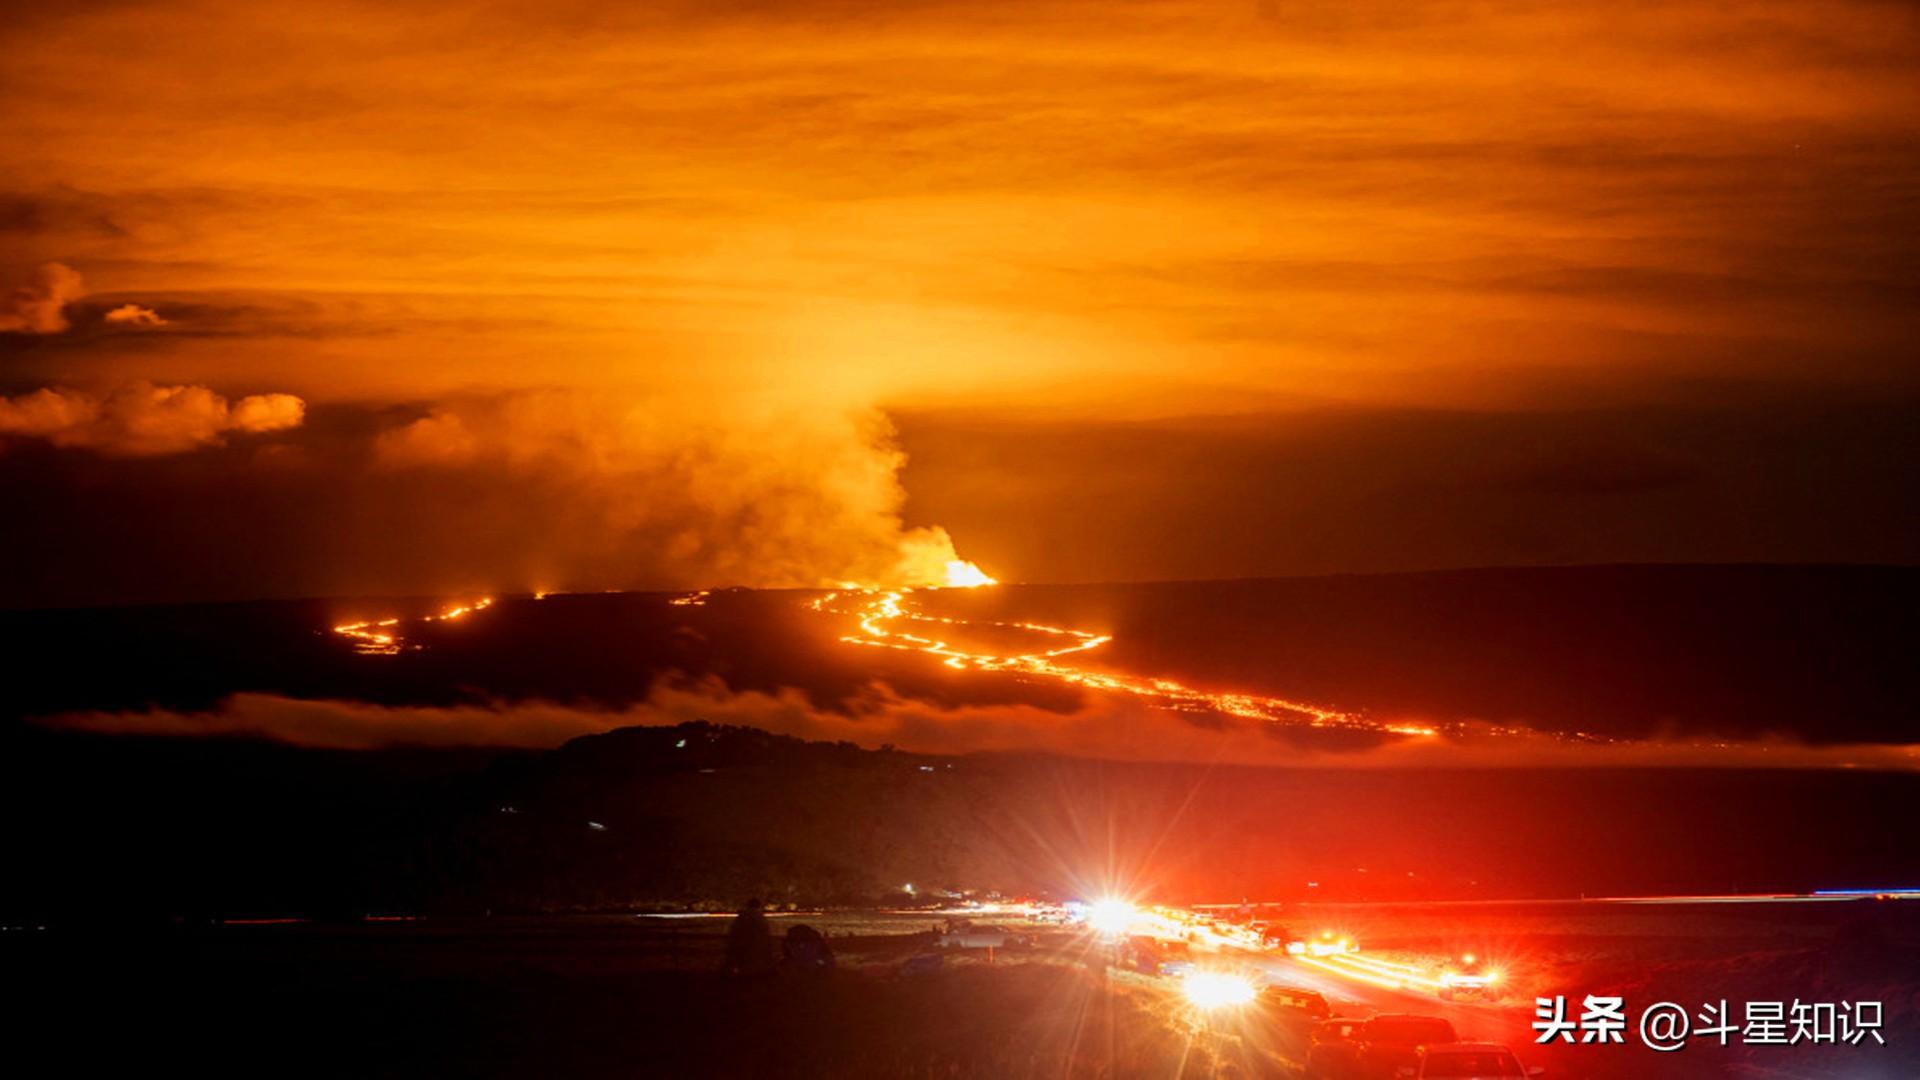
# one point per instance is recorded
(663, 492)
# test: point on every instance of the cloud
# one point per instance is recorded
(1054, 208)
(260, 413)
(143, 419)
(39, 307)
(438, 439)
(1084, 208)
(549, 490)
(751, 493)
(1361, 490)
(354, 725)
(1113, 730)
(134, 315)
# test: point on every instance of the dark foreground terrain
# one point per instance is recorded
(121, 829)
(602, 996)
(564, 998)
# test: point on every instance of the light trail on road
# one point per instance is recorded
(1373, 970)
(1322, 964)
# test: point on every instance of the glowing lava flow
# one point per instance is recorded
(877, 611)
(377, 637)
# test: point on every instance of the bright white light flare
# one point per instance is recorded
(1216, 990)
(1110, 917)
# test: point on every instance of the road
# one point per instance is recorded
(1476, 1020)
(1508, 1022)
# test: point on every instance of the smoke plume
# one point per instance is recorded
(752, 495)
(39, 307)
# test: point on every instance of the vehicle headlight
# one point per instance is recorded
(1212, 990)
(1111, 917)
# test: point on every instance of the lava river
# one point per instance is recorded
(889, 619)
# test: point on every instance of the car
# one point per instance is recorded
(1468, 976)
(1467, 1061)
(1298, 1001)
(1378, 1048)
(966, 935)
(1245, 937)
(1330, 1044)
(1336, 1030)
(1150, 956)
(1273, 936)
(1329, 943)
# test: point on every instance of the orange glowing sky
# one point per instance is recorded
(675, 274)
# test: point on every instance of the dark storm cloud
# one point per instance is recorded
(1772, 475)
(65, 215)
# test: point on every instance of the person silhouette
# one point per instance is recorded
(749, 943)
